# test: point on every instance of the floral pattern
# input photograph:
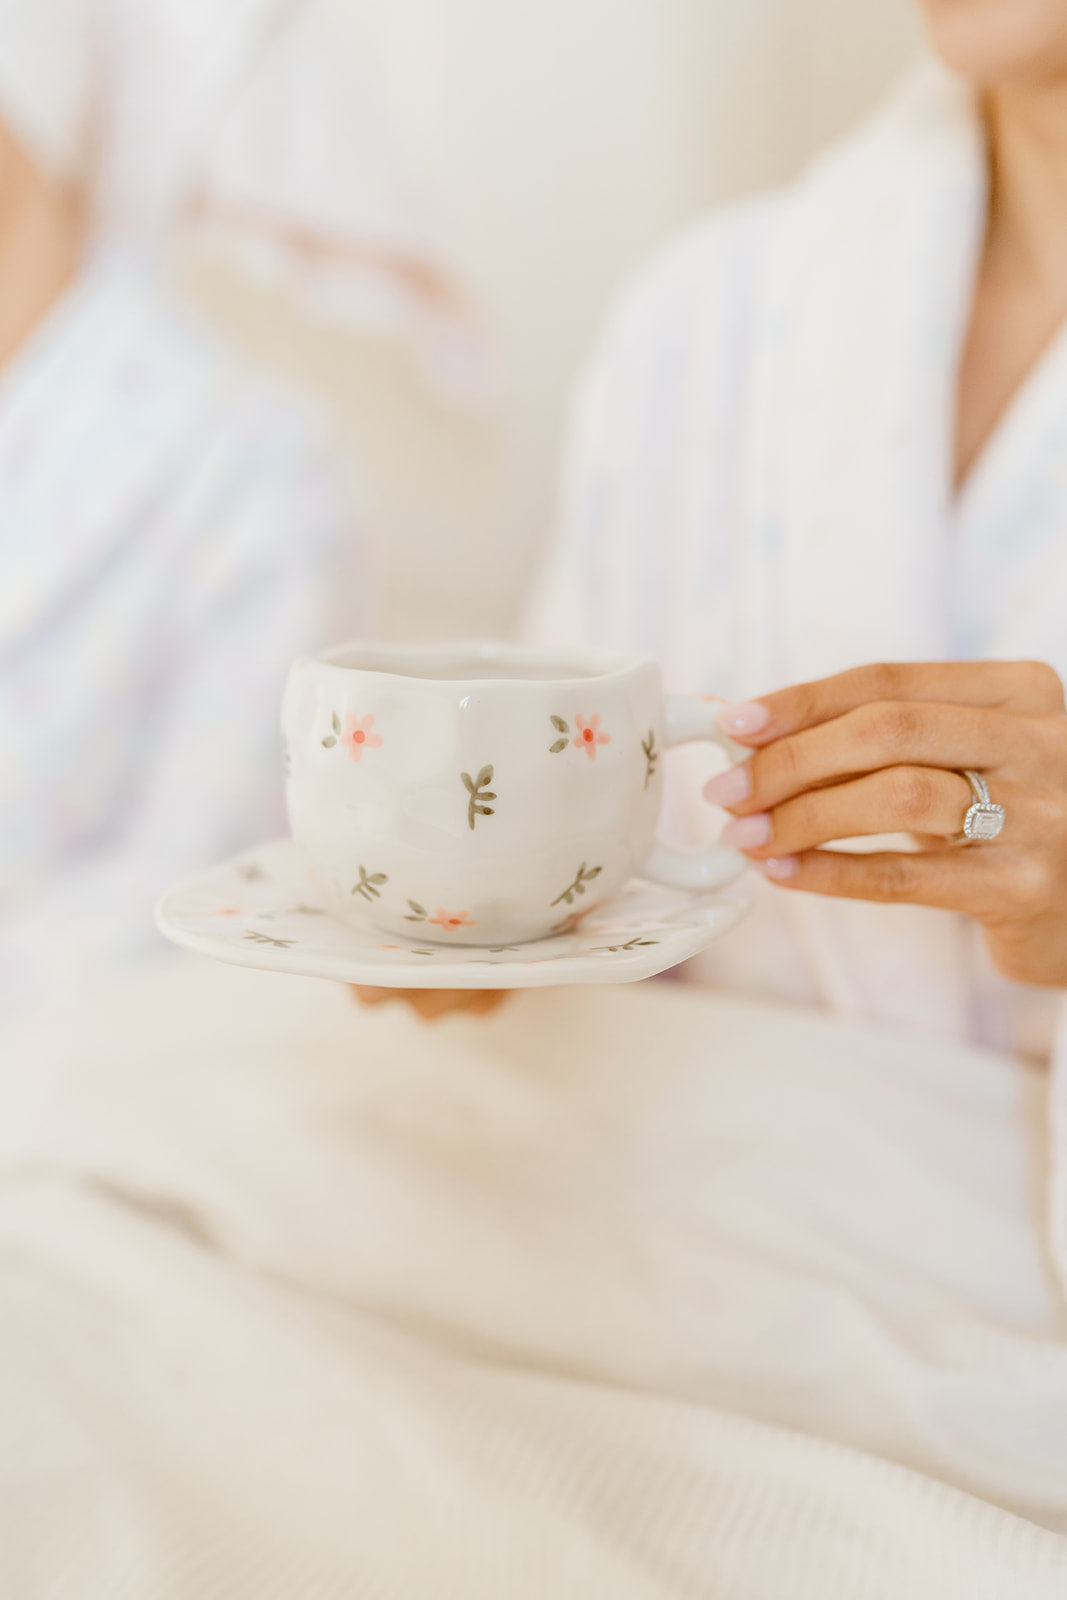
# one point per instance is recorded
(585, 875)
(636, 943)
(451, 920)
(651, 756)
(369, 885)
(356, 736)
(264, 920)
(359, 735)
(479, 792)
(589, 734)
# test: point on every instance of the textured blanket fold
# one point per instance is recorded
(638, 1295)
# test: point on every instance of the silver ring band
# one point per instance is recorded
(984, 820)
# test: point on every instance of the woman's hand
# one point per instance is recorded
(433, 1003)
(881, 750)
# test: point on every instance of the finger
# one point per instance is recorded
(1026, 688)
(923, 800)
(433, 1003)
(377, 997)
(874, 737)
(430, 1004)
(950, 879)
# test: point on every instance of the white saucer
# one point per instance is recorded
(264, 909)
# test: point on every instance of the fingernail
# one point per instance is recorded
(749, 717)
(729, 788)
(778, 867)
(748, 833)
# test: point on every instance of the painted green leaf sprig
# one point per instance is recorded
(636, 943)
(479, 791)
(651, 756)
(584, 876)
(369, 886)
(332, 738)
(563, 729)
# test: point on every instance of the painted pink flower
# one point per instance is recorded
(226, 911)
(359, 735)
(589, 735)
(451, 920)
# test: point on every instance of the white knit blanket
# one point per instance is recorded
(619, 1295)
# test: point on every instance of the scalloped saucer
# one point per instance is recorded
(264, 909)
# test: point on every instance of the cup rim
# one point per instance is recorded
(590, 665)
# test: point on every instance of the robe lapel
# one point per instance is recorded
(848, 483)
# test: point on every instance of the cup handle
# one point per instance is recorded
(690, 717)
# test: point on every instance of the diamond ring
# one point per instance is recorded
(984, 820)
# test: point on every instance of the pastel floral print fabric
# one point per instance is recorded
(589, 734)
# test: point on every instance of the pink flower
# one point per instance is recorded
(589, 735)
(358, 735)
(451, 920)
(226, 911)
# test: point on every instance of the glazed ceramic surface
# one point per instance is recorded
(266, 909)
(484, 794)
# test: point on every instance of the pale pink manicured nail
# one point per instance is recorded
(748, 833)
(778, 867)
(749, 717)
(729, 788)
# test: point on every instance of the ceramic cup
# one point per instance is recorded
(486, 794)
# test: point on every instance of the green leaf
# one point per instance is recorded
(335, 719)
(559, 725)
(468, 781)
(485, 811)
(486, 794)
(420, 910)
(485, 776)
(560, 744)
(380, 877)
(329, 741)
(594, 874)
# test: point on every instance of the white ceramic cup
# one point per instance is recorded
(486, 794)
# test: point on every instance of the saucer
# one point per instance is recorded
(264, 909)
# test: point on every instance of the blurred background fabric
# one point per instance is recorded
(261, 123)
(557, 144)
(173, 529)
(413, 211)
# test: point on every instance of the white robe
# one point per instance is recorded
(761, 493)
(166, 534)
